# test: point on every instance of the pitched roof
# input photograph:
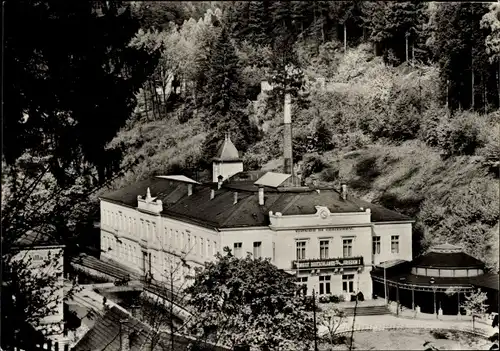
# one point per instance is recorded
(180, 178)
(32, 239)
(220, 212)
(272, 179)
(106, 333)
(227, 151)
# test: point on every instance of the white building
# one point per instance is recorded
(327, 238)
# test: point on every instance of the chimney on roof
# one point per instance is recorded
(343, 191)
(235, 201)
(212, 194)
(124, 335)
(219, 182)
(287, 136)
(190, 189)
(261, 196)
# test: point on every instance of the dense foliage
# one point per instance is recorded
(64, 101)
(249, 302)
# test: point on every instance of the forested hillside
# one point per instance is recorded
(399, 99)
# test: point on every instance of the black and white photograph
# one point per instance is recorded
(250, 175)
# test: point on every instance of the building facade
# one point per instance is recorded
(326, 238)
(43, 259)
(168, 225)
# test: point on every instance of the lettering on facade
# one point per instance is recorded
(333, 263)
(330, 229)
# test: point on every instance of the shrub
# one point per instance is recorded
(493, 338)
(336, 299)
(313, 163)
(329, 174)
(324, 299)
(438, 334)
(491, 149)
(460, 135)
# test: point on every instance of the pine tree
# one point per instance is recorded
(393, 23)
(467, 77)
(224, 97)
(259, 22)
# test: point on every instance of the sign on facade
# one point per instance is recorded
(331, 229)
(327, 263)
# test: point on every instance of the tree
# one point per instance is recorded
(491, 21)
(467, 77)
(64, 104)
(30, 293)
(475, 304)
(224, 99)
(394, 25)
(51, 97)
(332, 320)
(249, 302)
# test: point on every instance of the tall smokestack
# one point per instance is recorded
(287, 136)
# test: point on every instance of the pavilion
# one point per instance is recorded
(435, 281)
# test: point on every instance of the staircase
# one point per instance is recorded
(367, 310)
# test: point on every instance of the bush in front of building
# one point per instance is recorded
(337, 298)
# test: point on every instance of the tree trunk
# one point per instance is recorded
(345, 37)
(145, 102)
(472, 80)
(412, 54)
(498, 80)
(406, 41)
(485, 98)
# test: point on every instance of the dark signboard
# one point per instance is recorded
(328, 263)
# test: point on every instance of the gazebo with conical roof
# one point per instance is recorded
(434, 281)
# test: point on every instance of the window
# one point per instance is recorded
(214, 248)
(257, 249)
(376, 245)
(238, 248)
(189, 243)
(301, 250)
(324, 284)
(183, 241)
(347, 247)
(274, 251)
(323, 249)
(395, 244)
(209, 248)
(202, 247)
(195, 244)
(348, 283)
(302, 281)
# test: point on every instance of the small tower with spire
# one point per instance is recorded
(227, 161)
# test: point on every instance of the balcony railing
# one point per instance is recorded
(340, 262)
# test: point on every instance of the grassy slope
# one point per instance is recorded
(413, 179)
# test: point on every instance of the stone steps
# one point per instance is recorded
(366, 310)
